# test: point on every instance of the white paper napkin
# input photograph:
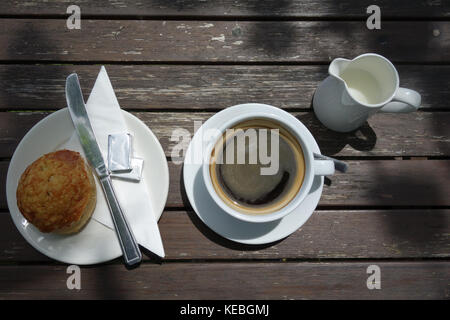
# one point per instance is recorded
(106, 118)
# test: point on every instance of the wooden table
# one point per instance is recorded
(175, 62)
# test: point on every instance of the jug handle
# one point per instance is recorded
(404, 101)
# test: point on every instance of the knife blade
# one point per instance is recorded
(77, 109)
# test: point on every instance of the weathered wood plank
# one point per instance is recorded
(229, 8)
(401, 234)
(420, 133)
(367, 183)
(416, 134)
(217, 41)
(41, 87)
(399, 280)
(3, 172)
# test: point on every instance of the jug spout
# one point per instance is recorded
(337, 66)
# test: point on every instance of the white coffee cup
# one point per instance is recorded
(313, 167)
(356, 89)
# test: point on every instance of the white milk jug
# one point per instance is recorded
(358, 88)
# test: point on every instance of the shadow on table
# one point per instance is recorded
(209, 233)
(20, 88)
(274, 39)
(419, 187)
(105, 282)
(331, 142)
(416, 231)
(418, 227)
(23, 87)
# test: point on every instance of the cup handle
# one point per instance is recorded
(405, 100)
(323, 167)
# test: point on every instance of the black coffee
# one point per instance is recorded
(254, 179)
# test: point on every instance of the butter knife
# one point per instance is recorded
(130, 249)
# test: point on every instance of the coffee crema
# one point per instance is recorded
(240, 184)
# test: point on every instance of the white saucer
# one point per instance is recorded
(95, 243)
(218, 220)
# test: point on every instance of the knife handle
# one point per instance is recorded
(130, 249)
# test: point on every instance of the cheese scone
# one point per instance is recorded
(57, 192)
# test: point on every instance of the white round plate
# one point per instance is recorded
(221, 222)
(95, 243)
